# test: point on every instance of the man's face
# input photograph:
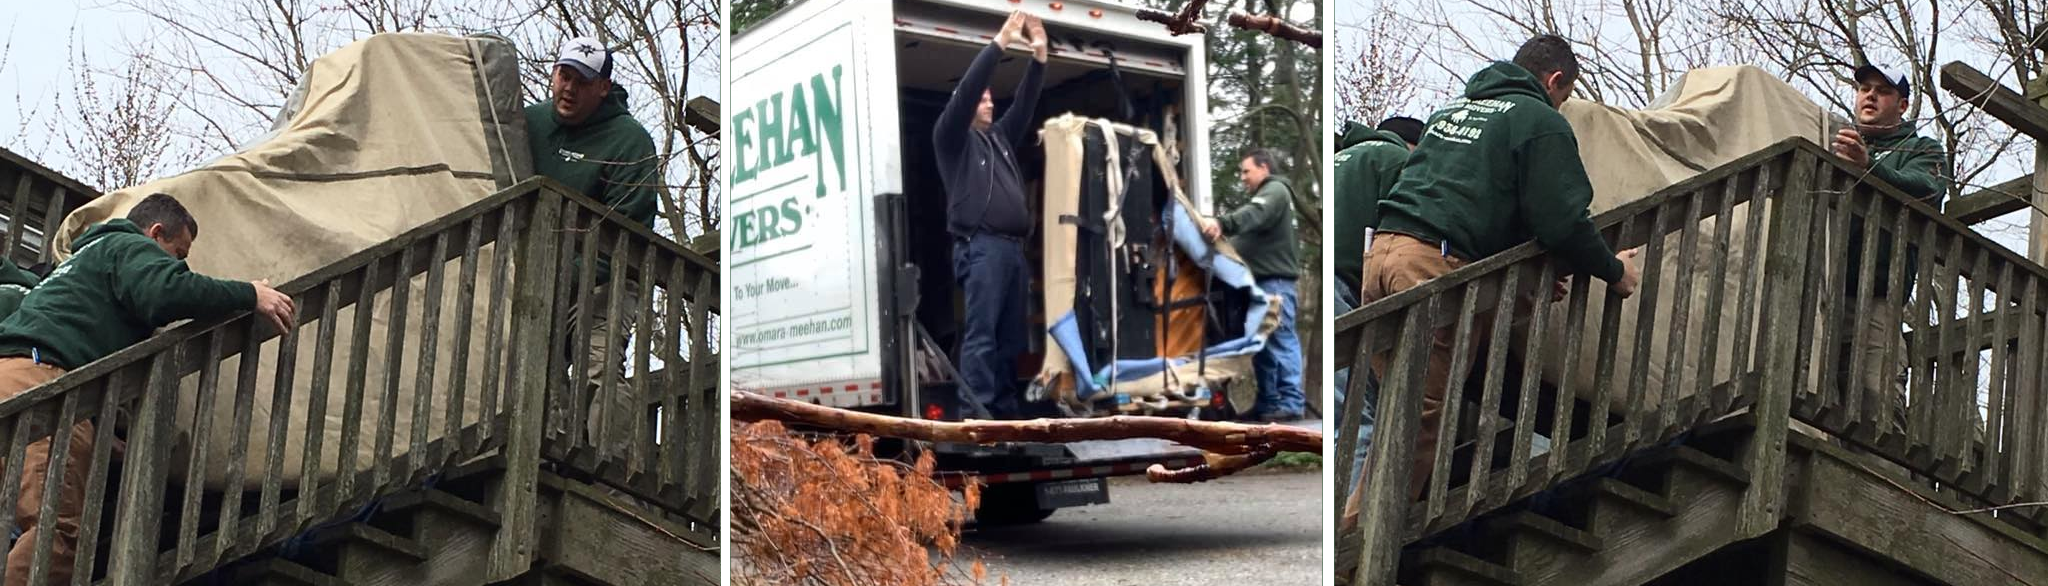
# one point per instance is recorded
(985, 114)
(576, 96)
(178, 245)
(1879, 103)
(1251, 173)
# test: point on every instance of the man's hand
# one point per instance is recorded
(1849, 145)
(1040, 45)
(275, 305)
(1013, 31)
(1631, 275)
(1211, 229)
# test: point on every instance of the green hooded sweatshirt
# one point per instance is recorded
(1367, 166)
(14, 284)
(608, 157)
(1262, 230)
(117, 288)
(1496, 169)
(1916, 165)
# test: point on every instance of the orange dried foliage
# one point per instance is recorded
(818, 511)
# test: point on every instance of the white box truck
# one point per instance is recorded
(839, 256)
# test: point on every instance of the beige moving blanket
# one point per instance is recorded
(381, 136)
(1710, 117)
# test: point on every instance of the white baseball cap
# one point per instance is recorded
(586, 56)
(1892, 76)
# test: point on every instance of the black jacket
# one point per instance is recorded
(984, 186)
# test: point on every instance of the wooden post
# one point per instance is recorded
(1786, 297)
(2037, 231)
(1382, 516)
(133, 553)
(515, 501)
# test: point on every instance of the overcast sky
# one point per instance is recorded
(38, 34)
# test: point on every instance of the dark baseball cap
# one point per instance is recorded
(1890, 75)
(1409, 129)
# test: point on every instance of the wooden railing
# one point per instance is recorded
(1745, 305)
(39, 199)
(673, 403)
(482, 359)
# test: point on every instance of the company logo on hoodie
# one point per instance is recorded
(1465, 120)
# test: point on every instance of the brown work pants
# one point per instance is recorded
(16, 376)
(1395, 263)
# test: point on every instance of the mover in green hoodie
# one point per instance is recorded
(125, 278)
(1262, 231)
(1496, 168)
(584, 138)
(1368, 162)
(1884, 142)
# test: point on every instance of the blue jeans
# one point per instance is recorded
(1347, 301)
(1279, 364)
(992, 274)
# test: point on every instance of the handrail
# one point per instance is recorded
(1770, 293)
(1612, 390)
(458, 371)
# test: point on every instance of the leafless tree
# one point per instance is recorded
(1375, 59)
(113, 128)
(1630, 50)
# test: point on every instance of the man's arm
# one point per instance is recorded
(161, 289)
(1554, 199)
(958, 116)
(1267, 206)
(1921, 174)
(1016, 121)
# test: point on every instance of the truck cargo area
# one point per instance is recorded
(929, 66)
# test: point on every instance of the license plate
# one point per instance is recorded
(1073, 493)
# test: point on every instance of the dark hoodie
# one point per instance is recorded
(1367, 165)
(117, 288)
(1496, 169)
(1262, 230)
(14, 284)
(608, 157)
(984, 186)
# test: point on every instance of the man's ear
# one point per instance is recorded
(154, 231)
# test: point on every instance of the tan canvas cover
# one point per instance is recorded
(1710, 117)
(382, 135)
(1063, 140)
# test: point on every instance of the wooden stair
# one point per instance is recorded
(1654, 516)
(442, 536)
(1655, 513)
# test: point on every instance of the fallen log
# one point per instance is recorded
(1230, 447)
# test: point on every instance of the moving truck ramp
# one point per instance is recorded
(422, 413)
